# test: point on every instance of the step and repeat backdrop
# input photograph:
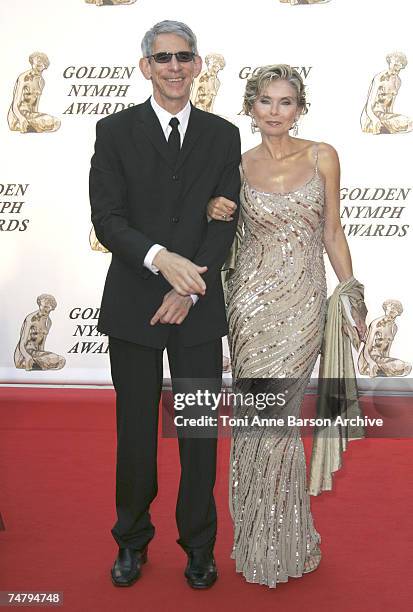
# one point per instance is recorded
(66, 64)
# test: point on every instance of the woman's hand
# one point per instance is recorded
(221, 209)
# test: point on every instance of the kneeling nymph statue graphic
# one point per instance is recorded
(293, 2)
(109, 2)
(374, 359)
(30, 353)
(206, 86)
(24, 115)
(378, 116)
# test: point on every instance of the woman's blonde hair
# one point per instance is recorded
(265, 75)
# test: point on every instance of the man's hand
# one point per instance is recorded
(180, 272)
(174, 309)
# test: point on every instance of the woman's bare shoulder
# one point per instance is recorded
(327, 151)
(251, 154)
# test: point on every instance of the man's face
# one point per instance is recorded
(172, 81)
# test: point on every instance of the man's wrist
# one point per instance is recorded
(149, 261)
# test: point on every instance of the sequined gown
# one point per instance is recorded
(276, 314)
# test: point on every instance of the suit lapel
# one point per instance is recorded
(149, 123)
(193, 131)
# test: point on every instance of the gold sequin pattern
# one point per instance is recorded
(276, 313)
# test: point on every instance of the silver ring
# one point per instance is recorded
(224, 217)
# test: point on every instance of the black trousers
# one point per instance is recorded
(137, 376)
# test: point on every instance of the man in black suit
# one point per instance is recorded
(155, 167)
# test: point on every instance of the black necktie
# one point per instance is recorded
(174, 140)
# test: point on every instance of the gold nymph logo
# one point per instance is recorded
(95, 245)
(295, 2)
(109, 2)
(206, 86)
(378, 115)
(374, 359)
(24, 115)
(30, 353)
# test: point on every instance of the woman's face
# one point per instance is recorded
(276, 108)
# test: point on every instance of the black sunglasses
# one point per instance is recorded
(163, 57)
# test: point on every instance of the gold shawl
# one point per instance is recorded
(337, 388)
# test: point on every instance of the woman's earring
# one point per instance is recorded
(254, 126)
(294, 127)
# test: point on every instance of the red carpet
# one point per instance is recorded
(57, 471)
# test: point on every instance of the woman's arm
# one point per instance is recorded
(334, 238)
(335, 241)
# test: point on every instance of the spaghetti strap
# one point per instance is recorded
(315, 152)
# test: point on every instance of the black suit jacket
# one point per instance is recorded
(139, 197)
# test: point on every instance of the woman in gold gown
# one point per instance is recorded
(276, 312)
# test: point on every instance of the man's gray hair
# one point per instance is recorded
(168, 27)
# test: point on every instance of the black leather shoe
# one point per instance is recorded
(127, 567)
(201, 571)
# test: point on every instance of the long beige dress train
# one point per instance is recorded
(276, 313)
